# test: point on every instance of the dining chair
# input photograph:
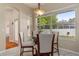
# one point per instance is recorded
(44, 44)
(24, 45)
(55, 43)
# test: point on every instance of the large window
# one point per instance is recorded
(58, 22)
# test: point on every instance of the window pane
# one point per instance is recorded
(66, 27)
(44, 22)
(54, 21)
(72, 27)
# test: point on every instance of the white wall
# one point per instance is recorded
(25, 16)
(11, 16)
(25, 26)
(62, 32)
(2, 31)
(23, 10)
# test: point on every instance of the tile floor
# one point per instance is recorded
(62, 53)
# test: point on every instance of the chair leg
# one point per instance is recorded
(58, 50)
(33, 51)
(52, 53)
(21, 52)
(52, 50)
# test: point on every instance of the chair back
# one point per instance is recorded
(44, 42)
(35, 33)
(56, 37)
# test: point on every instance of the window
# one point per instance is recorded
(58, 22)
(44, 22)
(66, 19)
(71, 27)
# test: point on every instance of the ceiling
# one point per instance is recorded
(49, 6)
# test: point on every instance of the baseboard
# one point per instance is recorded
(71, 51)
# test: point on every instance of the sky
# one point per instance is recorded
(66, 16)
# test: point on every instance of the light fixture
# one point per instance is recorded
(38, 10)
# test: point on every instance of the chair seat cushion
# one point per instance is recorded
(27, 43)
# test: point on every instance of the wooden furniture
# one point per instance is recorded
(25, 45)
(55, 45)
(10, 43)
(44, 44)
